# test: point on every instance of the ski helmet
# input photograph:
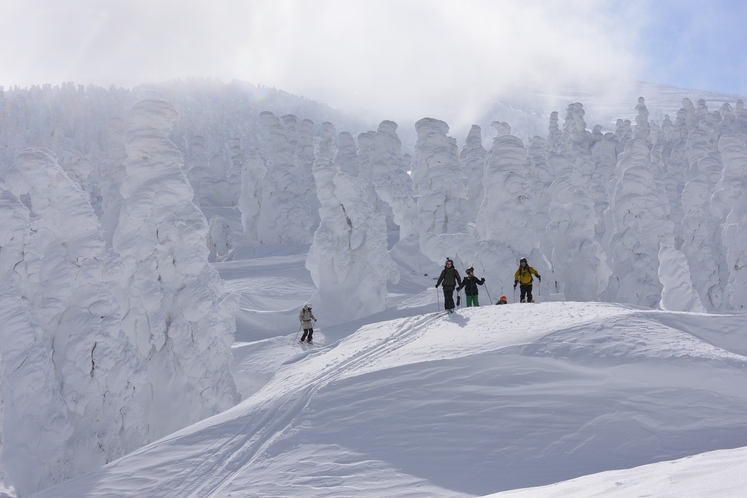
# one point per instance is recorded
(308, 306)
(523, 260)
(471, 269)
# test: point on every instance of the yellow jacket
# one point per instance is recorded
(524, 276)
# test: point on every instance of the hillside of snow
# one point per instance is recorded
(484, 400)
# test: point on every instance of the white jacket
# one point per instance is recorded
(307, 318)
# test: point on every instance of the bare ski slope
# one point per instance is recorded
(486, 400)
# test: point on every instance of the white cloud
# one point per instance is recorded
(392, 58)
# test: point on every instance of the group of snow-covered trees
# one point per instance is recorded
(106, 346)
(650, 214)
(117, 330)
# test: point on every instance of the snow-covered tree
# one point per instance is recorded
(733, 195)
(347, 154)
(214, 169)
(304, 161)
(701, 231)
(442, 202)
(639, 224)
(286, 216)
(348, 259)
(366, 149)
(472, 156)
(253, 172)
(365, 155)
(678, 293)
(623, 133)
(604, 155)
(555, 135)
(577, 143)
(112, 172)
(390, 179)
(539, 178)
(579, 263)
(60, 301)
(740, 117)
(220, 239)
(196, 162)
(506, 211)
(176, 312)
(35, 418)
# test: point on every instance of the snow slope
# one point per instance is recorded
(485, 400)
(716, 473)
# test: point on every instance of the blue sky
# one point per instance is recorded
(401, 57)
(695, 44)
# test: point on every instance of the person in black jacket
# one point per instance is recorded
(469, 284)
(450, 278)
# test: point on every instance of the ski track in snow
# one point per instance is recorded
(241, 452)
(229, 457)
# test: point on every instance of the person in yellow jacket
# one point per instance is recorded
(524, 276)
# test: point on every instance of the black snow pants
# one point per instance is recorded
(526, 291)
(307, 333)
(449, 298)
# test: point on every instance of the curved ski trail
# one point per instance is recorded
(277, 415)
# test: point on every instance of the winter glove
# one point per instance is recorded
(539, 278)
(483, 281)
(436, 286)
(516, 282)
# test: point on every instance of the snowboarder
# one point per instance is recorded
(450, 278)
(502, 300)
(524, 276)
(307, 319)
(469, 284)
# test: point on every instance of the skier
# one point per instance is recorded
(524, 276)
(450, 278)
(469, 284)
(502, 300)
(306, 317)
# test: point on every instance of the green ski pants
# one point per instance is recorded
(472, 301)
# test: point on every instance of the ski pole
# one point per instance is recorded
(299, 331)
(437, 300)
(514, 294)
(486, 290)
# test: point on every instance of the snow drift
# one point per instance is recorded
(488, 399)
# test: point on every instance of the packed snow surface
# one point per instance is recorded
(489, 399)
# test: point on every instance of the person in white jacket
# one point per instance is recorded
(307, 319)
